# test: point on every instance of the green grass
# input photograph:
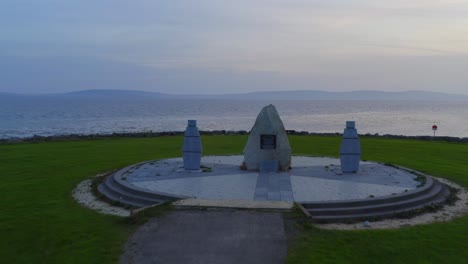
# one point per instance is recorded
(435, 243)
(41, 223)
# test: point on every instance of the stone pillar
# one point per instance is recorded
(350, 151)
(192, 148)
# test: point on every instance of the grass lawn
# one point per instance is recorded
(41, 223)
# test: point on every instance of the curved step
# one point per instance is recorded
(118, 197)
(117, 189)
(378, 214)
(437, 194)
(430, 183)
(390, 205)
(125, 195)
(127, 187)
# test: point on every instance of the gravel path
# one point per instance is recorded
(198, 236)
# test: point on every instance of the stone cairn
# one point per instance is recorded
(192, 148)
(350, 151)
(267, 148)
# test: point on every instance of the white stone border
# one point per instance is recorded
(83, 194)
(445, 214)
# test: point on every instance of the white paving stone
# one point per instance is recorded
(229, 160)
(231, 187)
(301, 161)
(316, 189)
(238, 159)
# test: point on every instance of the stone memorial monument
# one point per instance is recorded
(350, 151)
(192, 148)
(268, 146)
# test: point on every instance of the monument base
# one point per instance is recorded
(269, 166)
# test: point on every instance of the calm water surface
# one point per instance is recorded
(28, 117)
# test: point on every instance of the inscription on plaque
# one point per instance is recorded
(268, 141)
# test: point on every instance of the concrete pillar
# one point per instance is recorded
(192, 148)
(350, 151)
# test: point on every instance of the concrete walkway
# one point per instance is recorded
(209, 237)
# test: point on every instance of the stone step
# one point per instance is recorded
(368, 216)
(440, 198)
(136, 197)
(422, 199)
(430, 184)
(119, 190)
(125, 187)
(119, 197)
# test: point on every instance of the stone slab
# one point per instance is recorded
(316, 189)
(269, 166)
(234, 186)
(273, 186)
(244, 204)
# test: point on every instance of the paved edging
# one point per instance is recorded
(239, 204)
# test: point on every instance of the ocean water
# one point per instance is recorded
(40, 116)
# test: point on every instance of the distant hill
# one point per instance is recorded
(353, 95)
(114, 94)
(93, 94)
(274, 95)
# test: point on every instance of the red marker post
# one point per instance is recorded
(434, 128)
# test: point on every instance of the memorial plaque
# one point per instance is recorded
(268, 141)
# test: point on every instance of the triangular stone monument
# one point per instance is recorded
(268, 144)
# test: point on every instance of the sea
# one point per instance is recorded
(52, 116)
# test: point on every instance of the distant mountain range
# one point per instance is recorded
(353, 95)
(274, 95)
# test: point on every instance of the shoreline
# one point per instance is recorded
(143, 134)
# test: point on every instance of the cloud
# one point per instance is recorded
(295, 43)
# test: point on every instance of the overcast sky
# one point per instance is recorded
(215, 46)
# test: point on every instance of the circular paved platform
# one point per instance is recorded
(311, 179)
(316, 183)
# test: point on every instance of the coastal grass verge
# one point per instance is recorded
(41, 223)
